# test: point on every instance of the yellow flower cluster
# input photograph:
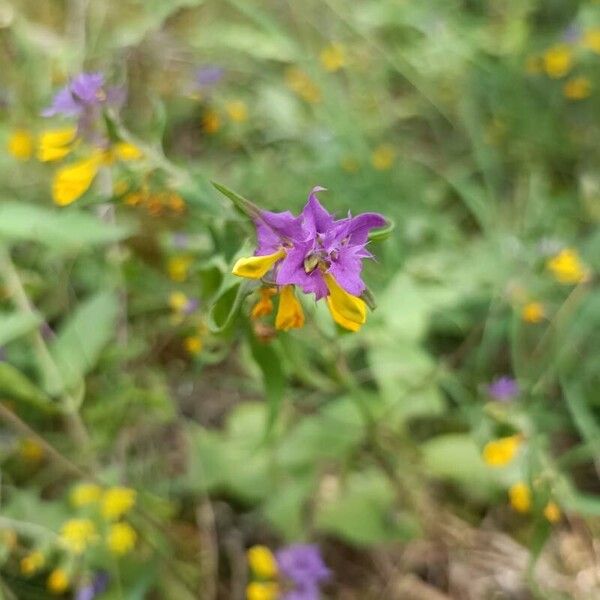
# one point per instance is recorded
(301, 84)
(567, 267)
(264, 568)
(121, 538)
(77, 534)
(58, 581)
(32, 562)
(116, 502)
(178, 267)
(521, 499)
(156, 203)
(533, 312)
(333, 57)
(501, 452)
(85, 493)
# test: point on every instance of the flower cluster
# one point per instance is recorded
(316, 253)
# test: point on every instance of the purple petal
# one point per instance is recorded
(503, 388)
(316, 218)
(63, 104)
(346, 270)
(274, 229)
(302, 564)
(291, 272)
(87, 87)
(209, 75)
(361, 225)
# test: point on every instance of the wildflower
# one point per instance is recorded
(58, 581)
(181, 304)
(85, 91)
(503, 388)
(117, 501)
(290, 314)
(591, 39)
(193, 344)
(567, 267)
(96, 587)
(77, 534)
(303, 565)
(30, 450)
(121, 538)
(263, 590)
(533, 312)
(500, 452)
(211, 122)
(299, 82)
(178, 267)
(127, 151)
(32, 562)
(85, 493)
(73, 180)
(577, 88)
(208, 76)
(520, 497)
(264, 306)
(262, 562)
(552, 512)
(237, 111)
(175, 202)
(558, 61)
(315, 252)
(8, 539)
(333, 57)
(55, 144)
(20, 144)
(383, 157)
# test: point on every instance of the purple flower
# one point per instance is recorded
(503, 388)
(180, 240)
(303, 565)
(83, 92)
(208, 76)
(93, 589)
(190, 306)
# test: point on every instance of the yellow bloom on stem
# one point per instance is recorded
(193, 344)
(333, 57)
(578, 88)
(567, 267)
(30, 450)
(264, 306)
(178, 267)
(58, 581)
(520, 497)
(558, 61)
(383, 157)
(178, 301)
(289, 314)
(72, 181)
(347, 310)
(20, 144)
(266, 590)
(32, 562)
(237, 111)
(116, 501)
(533, 312)
(121, 538)
(591, 39)
(55, 144)
(500, 452)
(552, 512)
(211, 122)
(262, 562)
(77, 534)
(85, 493)
(255, 267)
(127, 151)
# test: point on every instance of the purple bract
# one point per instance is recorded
(503, 388)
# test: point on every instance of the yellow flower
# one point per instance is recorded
(558, 61)
(591, 39)
(577, 88)
(178, 267)
(347, 310)
(193, 344)
(32, 562)
(520, 497)
(56, 143)
(176, 202)
(237, 111)
(333, 57)
(533, 312)
(298, 81)
(264, 306)
(77, 534)
(85, 493)
(567, 267)
(289, 314)
(121, 538)
(178, 301)
(262, 591)
(552, 512)
(262, 562)
(500, 452)
(31, 450)
(20, 144)
(211, 122)
(8, 539)
(72, 181)
(116, 501)
(58, 581)
(255, 267)
(127, 151)
(383, 157)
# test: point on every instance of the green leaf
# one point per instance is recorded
(378, 235)
(245, 206)
(14, 385)
(61, 228)
(227, 305)
(79, 342)
(14, 325)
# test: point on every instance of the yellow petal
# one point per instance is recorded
(127, 151)
(20, 144)
(72, 181)
(255, 267)
(289, 314)
(340, 320)
(350, 308)
(56, 143)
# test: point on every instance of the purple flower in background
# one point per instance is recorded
(190, 306)
(85, 91)
(303, 565)
(93, 589)
(572, 33)
(209, 75)
(180, 240)
(503, 388)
